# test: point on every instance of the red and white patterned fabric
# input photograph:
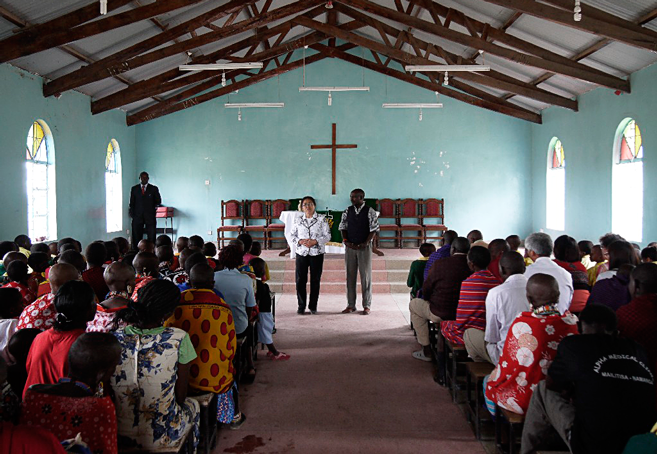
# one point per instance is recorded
(104, 320)
(28, 295)
(40, 314)
(531, 345)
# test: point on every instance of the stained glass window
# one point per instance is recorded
(555, 187)
(558, 158)
(113, 188)
(631, 146)
(40, 183)
(627, 182)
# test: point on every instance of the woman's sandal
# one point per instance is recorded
(280, 357)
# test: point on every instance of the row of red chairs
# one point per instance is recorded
(420, 220)
(259, 218)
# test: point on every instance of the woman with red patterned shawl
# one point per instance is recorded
(530, 347)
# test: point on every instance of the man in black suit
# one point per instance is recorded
(144, 200)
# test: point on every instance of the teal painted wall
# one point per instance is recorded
(478, 161)
(80, 141)
(588, 137)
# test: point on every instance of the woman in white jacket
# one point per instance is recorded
(310, 233)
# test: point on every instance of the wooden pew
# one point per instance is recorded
(476, 372)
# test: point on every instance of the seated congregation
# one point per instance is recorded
(117, 349)
(568, 331)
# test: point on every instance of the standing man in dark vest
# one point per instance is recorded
(358, 226)
(144, 200)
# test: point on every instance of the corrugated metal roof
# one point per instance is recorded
(616, 58)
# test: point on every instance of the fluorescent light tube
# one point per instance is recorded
(246, 105)
(411, 105)
(220, 66)
(330, 89)
(447, 68)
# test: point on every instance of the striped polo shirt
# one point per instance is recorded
(471, 311)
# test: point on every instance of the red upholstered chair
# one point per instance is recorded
(388, 221)
(433, 219)
(231, 210)
(274, 225)
(256, 220)
(409, 220)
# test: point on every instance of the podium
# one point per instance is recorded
(165, 213)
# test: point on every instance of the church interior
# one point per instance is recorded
(522, 116)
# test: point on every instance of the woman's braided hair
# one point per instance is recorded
(155, 301)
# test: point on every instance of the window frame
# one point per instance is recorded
(50, 188)
(616, 161)
(113, 204)
(552, 223)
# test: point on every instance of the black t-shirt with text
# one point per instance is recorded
(613, 390)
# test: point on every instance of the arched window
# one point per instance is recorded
(555, 199)
(627, 182)
(40, 183)
(113, 188)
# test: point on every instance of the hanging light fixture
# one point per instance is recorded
(577, 11)
(103, 7)
(223, 79)
(446, 79)
(414, 105)
(329, 5)
(450, 68)
(221, 66)
(249, 105)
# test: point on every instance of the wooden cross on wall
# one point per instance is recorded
(334, 148)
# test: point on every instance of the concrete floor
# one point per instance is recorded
(351, 386)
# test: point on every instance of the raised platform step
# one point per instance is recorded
(340, 287)
(338, 264)
(389, 272)
(340, 275)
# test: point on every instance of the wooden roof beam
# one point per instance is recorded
(511, 110)
(493, 34)
(493, 78)
(160, 83)
(588, 24)
(602, 16)
(66, 48)
(146, 115)
(118, 62)
(575, 70)
(67, 21)
(392, 53)
(589, 50)
(213, 79)
(28, 43)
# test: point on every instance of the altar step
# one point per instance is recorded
(389, 274)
